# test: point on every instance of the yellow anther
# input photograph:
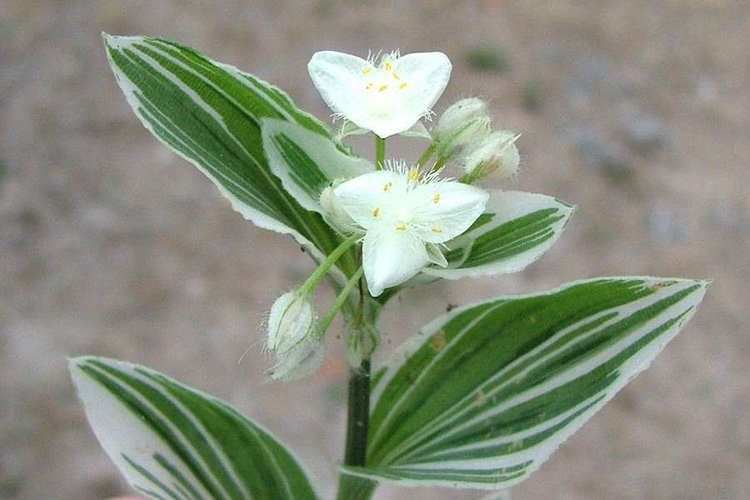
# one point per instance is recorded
(395, 76)
(403, 86)
(400, 226)
(366, 70)
(414, 174)
(376, 212)
(388, 66)
(388, 186)
(437, 229)
(436, 198)
(368, 86)
(383, 88)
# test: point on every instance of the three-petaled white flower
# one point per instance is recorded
(388, 96)
(405, 217)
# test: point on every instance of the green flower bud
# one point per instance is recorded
(463, 123)
(496, 153)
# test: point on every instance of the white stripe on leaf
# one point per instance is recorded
(435, 454)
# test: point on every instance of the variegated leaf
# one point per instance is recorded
(482, 396)
(515, 230)
(307, 162)
(210, 114)
(173, 442)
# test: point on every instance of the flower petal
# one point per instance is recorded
(427, 75)
(369, 198)
(444, 210)
(423, 77)
(391, 257)
(338, 78)
(386, 102)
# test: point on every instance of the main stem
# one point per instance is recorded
(358, 415)
(358, 418)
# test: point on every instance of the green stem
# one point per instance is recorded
(315, 278)
(426, 155)
(341, 298)
(379, 153)
(359, 415)
(439, 164)
(350, 487)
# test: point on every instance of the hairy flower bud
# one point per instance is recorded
(292, 320)
(300, 361)
(334, 214)
(497, 153)
(464, 122)
(293, 337)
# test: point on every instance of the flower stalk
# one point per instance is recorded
(379, 153)
(312, 282)
(426, 155)
(341, 299)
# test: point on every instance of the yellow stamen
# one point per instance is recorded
(388, 186)
(388, 66)
(403, 86)
(383, 88)
(436, 198)
(437, 229)
(395, 76)
(400, 226)
(376, 212)
(368, 86)
(366, 70)
(414, 174)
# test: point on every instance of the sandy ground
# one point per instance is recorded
(636, 111)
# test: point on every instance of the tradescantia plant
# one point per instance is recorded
(479, 397)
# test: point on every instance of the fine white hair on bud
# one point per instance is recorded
(464, 122)
(293, 337)
(301, 361)
(387, 96)
(292, 320)
(334, 214)
(496, 154)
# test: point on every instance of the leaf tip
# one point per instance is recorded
(112, 42)
(75, 362)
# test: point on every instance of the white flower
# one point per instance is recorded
(405, 217)
(463, 122)
(388, 96)
(496, 153)
(291, 321)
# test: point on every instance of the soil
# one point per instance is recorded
(636, 111)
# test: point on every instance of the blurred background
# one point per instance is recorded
(636, 111)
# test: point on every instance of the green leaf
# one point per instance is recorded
(307, 162)
(210, 114)
(173, 442)
(515, 230)
(482, 396)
